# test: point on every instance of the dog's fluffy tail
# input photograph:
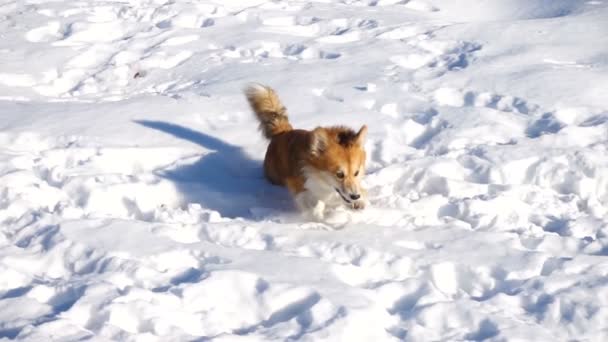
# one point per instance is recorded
(269, 110)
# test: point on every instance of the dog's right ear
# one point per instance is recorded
(361, 135)
(318, 144)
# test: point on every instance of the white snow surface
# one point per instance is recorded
(133, 205)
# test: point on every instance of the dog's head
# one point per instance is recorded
(339, 153)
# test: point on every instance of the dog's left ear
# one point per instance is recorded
(319, 142)
(361, 135)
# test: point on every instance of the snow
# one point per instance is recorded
(133, 204)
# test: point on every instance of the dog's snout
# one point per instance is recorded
(355, 196)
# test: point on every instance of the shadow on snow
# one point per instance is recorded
(225, 179)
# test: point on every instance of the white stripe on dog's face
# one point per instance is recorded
(348, 175)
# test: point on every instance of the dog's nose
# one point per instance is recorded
(355, 196)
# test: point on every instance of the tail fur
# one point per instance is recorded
(269, 110)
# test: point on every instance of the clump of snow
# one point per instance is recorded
(133, 204)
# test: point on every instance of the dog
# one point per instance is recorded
(322, 168)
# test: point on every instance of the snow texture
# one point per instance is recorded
(133, 205)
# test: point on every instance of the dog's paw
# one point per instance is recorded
(358, 205)
(318, 212)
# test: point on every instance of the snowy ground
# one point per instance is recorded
(133, 205)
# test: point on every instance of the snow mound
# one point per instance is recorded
(491, 10)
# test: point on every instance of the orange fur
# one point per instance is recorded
(268, 109)
(321, 168)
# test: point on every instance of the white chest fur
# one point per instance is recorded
(321, 188)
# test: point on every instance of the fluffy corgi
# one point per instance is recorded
(321, 168)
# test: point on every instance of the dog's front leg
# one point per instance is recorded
(307, 203)
(318, 211)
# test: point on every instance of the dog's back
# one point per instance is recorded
(285, 155)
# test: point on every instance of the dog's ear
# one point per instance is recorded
(318, 144)
(361, 135)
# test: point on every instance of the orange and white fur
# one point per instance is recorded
(322, 168)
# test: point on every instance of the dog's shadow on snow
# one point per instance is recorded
(224, 179)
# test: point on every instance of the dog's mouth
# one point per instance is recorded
(344, 198)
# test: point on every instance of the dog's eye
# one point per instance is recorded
(357, 173)
(340, 174)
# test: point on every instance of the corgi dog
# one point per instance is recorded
(321, 168)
